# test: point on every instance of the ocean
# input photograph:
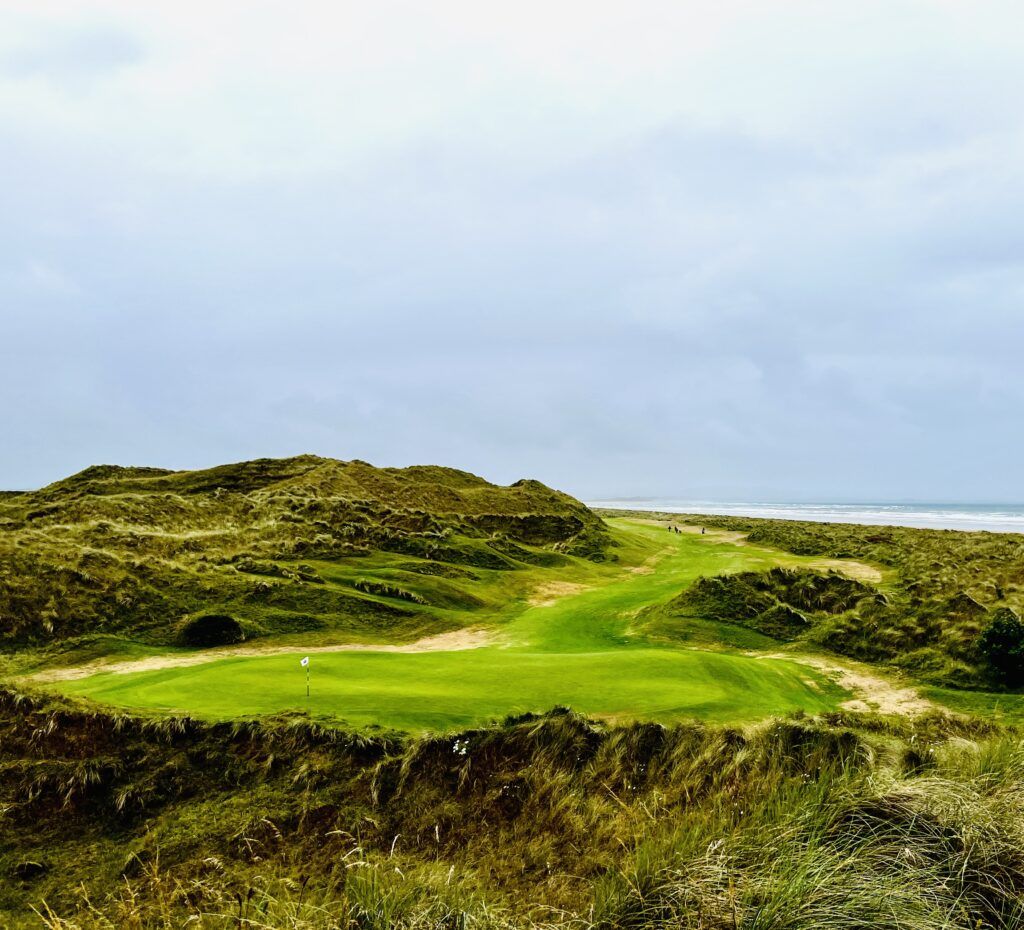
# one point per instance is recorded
(998, 518)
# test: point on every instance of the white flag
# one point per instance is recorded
(304, 662)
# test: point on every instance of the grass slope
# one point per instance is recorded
(578, 651)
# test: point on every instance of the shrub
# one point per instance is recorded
(212, 630)
(1001, 645)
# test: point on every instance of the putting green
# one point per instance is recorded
(576, 651)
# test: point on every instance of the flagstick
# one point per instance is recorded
(305, 664)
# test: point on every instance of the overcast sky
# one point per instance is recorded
(727, 250)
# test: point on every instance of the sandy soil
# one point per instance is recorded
(553, 591)
(452, 641)
(859, 571)
(871, 691)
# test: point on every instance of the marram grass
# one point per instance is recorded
(799, 825)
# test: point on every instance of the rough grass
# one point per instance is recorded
(553, 821)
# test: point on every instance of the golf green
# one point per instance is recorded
(575, 650)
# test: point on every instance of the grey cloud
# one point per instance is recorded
(830, 310)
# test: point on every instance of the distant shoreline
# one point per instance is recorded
(995, 518)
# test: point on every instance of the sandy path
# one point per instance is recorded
(871, 691)
(453, 641)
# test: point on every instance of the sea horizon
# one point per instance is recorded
(990, 517)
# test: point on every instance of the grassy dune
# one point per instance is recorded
(578, 651)
(286, 546)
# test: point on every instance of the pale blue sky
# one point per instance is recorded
(720, 249)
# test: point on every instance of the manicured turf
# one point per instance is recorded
(1004, 708)
(577, 651)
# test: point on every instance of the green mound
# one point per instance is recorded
(780, 603)
(944, 587)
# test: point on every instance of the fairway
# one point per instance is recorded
(576, 650)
